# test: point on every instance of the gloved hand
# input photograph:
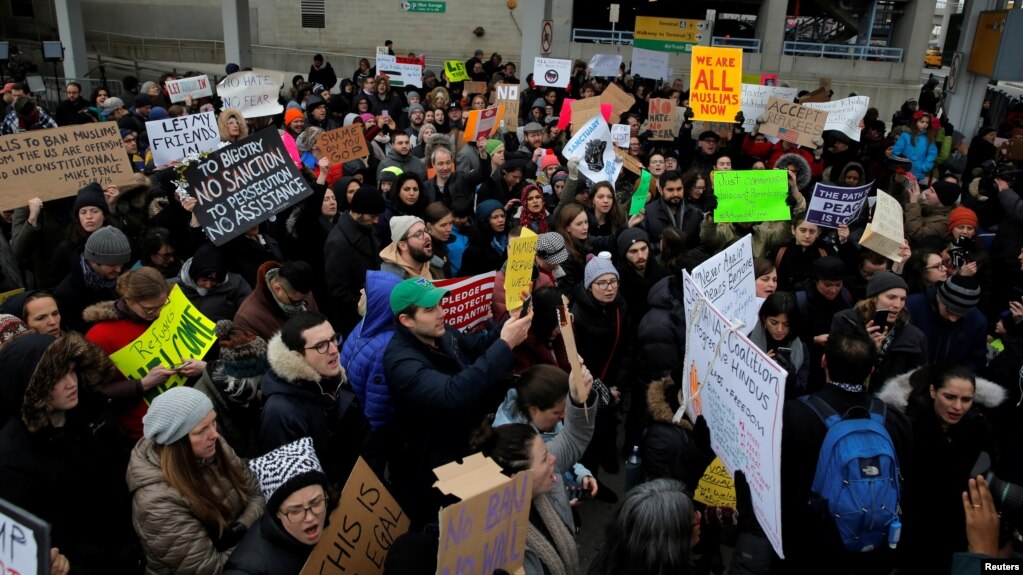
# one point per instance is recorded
(573, 168)
(689, 115)
(744, 506)
(740, 118)
(818, 142)
(231, 536)
(760, 120)
(701, 435)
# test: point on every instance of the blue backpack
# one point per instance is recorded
(857, 477)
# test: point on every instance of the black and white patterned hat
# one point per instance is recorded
(550, 246)
(286, 470)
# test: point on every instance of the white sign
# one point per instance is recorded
(552, 72)
(620, 135)
(401, 73)
(24, 541)
(740, 391)
(650, 64)
(172, 139)
(254, 94)
(592, 146)
(728, 281)
(605, 65)
(754, 101)
(196, 87)
(845, 115)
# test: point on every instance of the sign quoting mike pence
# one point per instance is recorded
(242, 185)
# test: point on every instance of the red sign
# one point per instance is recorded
(468, 304)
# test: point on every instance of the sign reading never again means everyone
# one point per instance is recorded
(58, 162)
(242, 185)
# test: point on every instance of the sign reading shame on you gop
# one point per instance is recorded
(171, 139)
(833, 206)
(242, 185)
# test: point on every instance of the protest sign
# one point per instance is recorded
(727, 280)
(754, 101)
(518, 276)
(508, 94)
(455, 71)
(585, 109)
(552, 72)
(344, 144)
(620, 101)
(195, 86)
(845, 115)
(792, 122)
(24, 542)
(254, 94)
(605, 65)
(471, 87)
(650, 64)
(361, 530)
(401, 71)
(171, 139)
(680, 118)
(620, 134)
(661, 119)
(817, 96)
(241, 185)
(180, 333)
(740, 392)
(884, 234)
(751, 196)
(715, 86)
(832, 206)
(468, 304)
(55, 163)
(6, 296)
(639, 197)
(565, 115)
(629, 162)
(716, 488)
(592, 145)
(487, 529)
(483, 123)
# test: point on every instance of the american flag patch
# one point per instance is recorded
(788, 135)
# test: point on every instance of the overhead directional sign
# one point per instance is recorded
(424, 6)
(670, 34)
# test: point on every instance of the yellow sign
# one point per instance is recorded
(716, 488)
(181, 333)
(715, 85)
(518, 276)
(455, 71)
(668, 34)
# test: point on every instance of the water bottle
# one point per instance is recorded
(633, 472)
(894, 533)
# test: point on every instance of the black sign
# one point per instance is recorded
(244, 184)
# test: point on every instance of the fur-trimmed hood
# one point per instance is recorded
(102, 311)
(289, 366)
(134, 195)
(661, 397)
(803, 173)
(896, 391)
(222, 125)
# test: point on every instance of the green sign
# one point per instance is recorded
(751, 196)
(424, 6)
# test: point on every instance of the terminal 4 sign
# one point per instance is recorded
(424, 6)
(670, 34)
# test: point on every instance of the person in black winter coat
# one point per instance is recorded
(250, 250)
(94, 277)
(322, 73)
(351, 250)
(661, 336)
(671, 210)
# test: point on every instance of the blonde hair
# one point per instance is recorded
(142, 284)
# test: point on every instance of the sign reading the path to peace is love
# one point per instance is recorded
(715, 86)
(833, 206)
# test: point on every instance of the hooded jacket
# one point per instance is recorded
(260, 312)
(216, 303)
(267, 549)
(908, 350)
(661, 336)
(963, 342)
(919, 150)
(923, 220)
(668, 447)
(351, 250)
(222, 125)
(391, 262)
(408, 163)
(804, 173)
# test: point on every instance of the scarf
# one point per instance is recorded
(558, 555)
(93, 281)
(500, 243)
(850, 387)
(289, 309)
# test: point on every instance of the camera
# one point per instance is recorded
(990, 170)
(1008, 496)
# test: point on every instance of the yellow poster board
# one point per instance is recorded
(715, 85)
(455, 71)
(518, 276)
(716, 488)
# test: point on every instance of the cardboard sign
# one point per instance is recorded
(487, 529)
(629, 162)
(196, 87)
(518, 276)
(793, 123)
(845, 115)
(552, 72)
(172, 139)
(751, 196)
(715, 86)
(727, 280)
(592, 145)
(620, 135)
(832, 206)
(818, 95)
(181, 333)
(58, 162)
(241, 185)
(24, 541)
(621, 101)
(639, 197)
(508, 94)
(471, 87)
(754, 101)
(740, 392)
(605, 65)
(455, 71)
(884, 234)
(344, 144)
(361, 530)
(584, 110)
(650, 64)
(468, 304)
(401, 71)
(6, 296)
(254, 94)
(716, 488)
(661, 119)
(482, 123)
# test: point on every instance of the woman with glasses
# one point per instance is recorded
(698, 191)
(192, 498)
(925, 268)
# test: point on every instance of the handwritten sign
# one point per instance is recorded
(254, 94)
(171, 139)
(361, 530)
(680, 118)
(195, 86)
(483, 123)
(553, 72)
(621, 102)
(55, 163)
(715, 86)
(845, 115)
(661, 119)
(727, 281)
(592, 145)
(650, 63)
(241, 185)
(792, 122)
(605, 65)
(751, 196)
(754, 101)
(639, 197)
(832, 206)
(508, 95)
(884, 234)
(471, 87)
(344, 144)
(620, 134)
(716, 488)
(468, 303)
(401, 71)
(181, 333)
(518, 276)
(741, 392)
(455, 71)
(24, 541)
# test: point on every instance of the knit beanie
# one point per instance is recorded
(90, 196)
(550, 247)
(828, 268)
(549, 160)
(959, 294)
(400, 225)
(884, 281)
(243, 361)
(158, 113)
(493, 146)
(287, 469)
(962, 216)
(10, 327)
(416, 108)
(390, 174)
(291, 115)
(24, 106)
(109, 246)
(174, 413)
(367, 200)
(207, 262)
(596, 267)
(630, 236)
(948, 193)
(485, 208)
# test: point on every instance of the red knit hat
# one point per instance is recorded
(961, 216)
(548, 160)
(291, 115)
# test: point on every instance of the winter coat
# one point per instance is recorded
(220, 302)
(351, 250)
(798, 364)
(222, 125)
(391, 262)
(907, 352)
(461, 184)
(794, 263)
(661, 336)
(259, 310)
(244, 255)
(33, 247)
(18, 360)
(918, 150)
(267, 549)
(481, 257)
(963, 342)
(324, 76)
(659, 217)
(766, 236)
(668, 449)
(11, 277)
(407, 163)
(806, 166)
(174, 539)
(601, 333)
(301, 403)
(925, 220)
(73, 295)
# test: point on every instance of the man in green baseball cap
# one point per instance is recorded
(415, 292)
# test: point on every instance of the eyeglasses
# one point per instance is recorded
(936, 266)
(418, 235)
(317, 507)
(606, 284)
(324, 346)
(152, 310)
(164, 255)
